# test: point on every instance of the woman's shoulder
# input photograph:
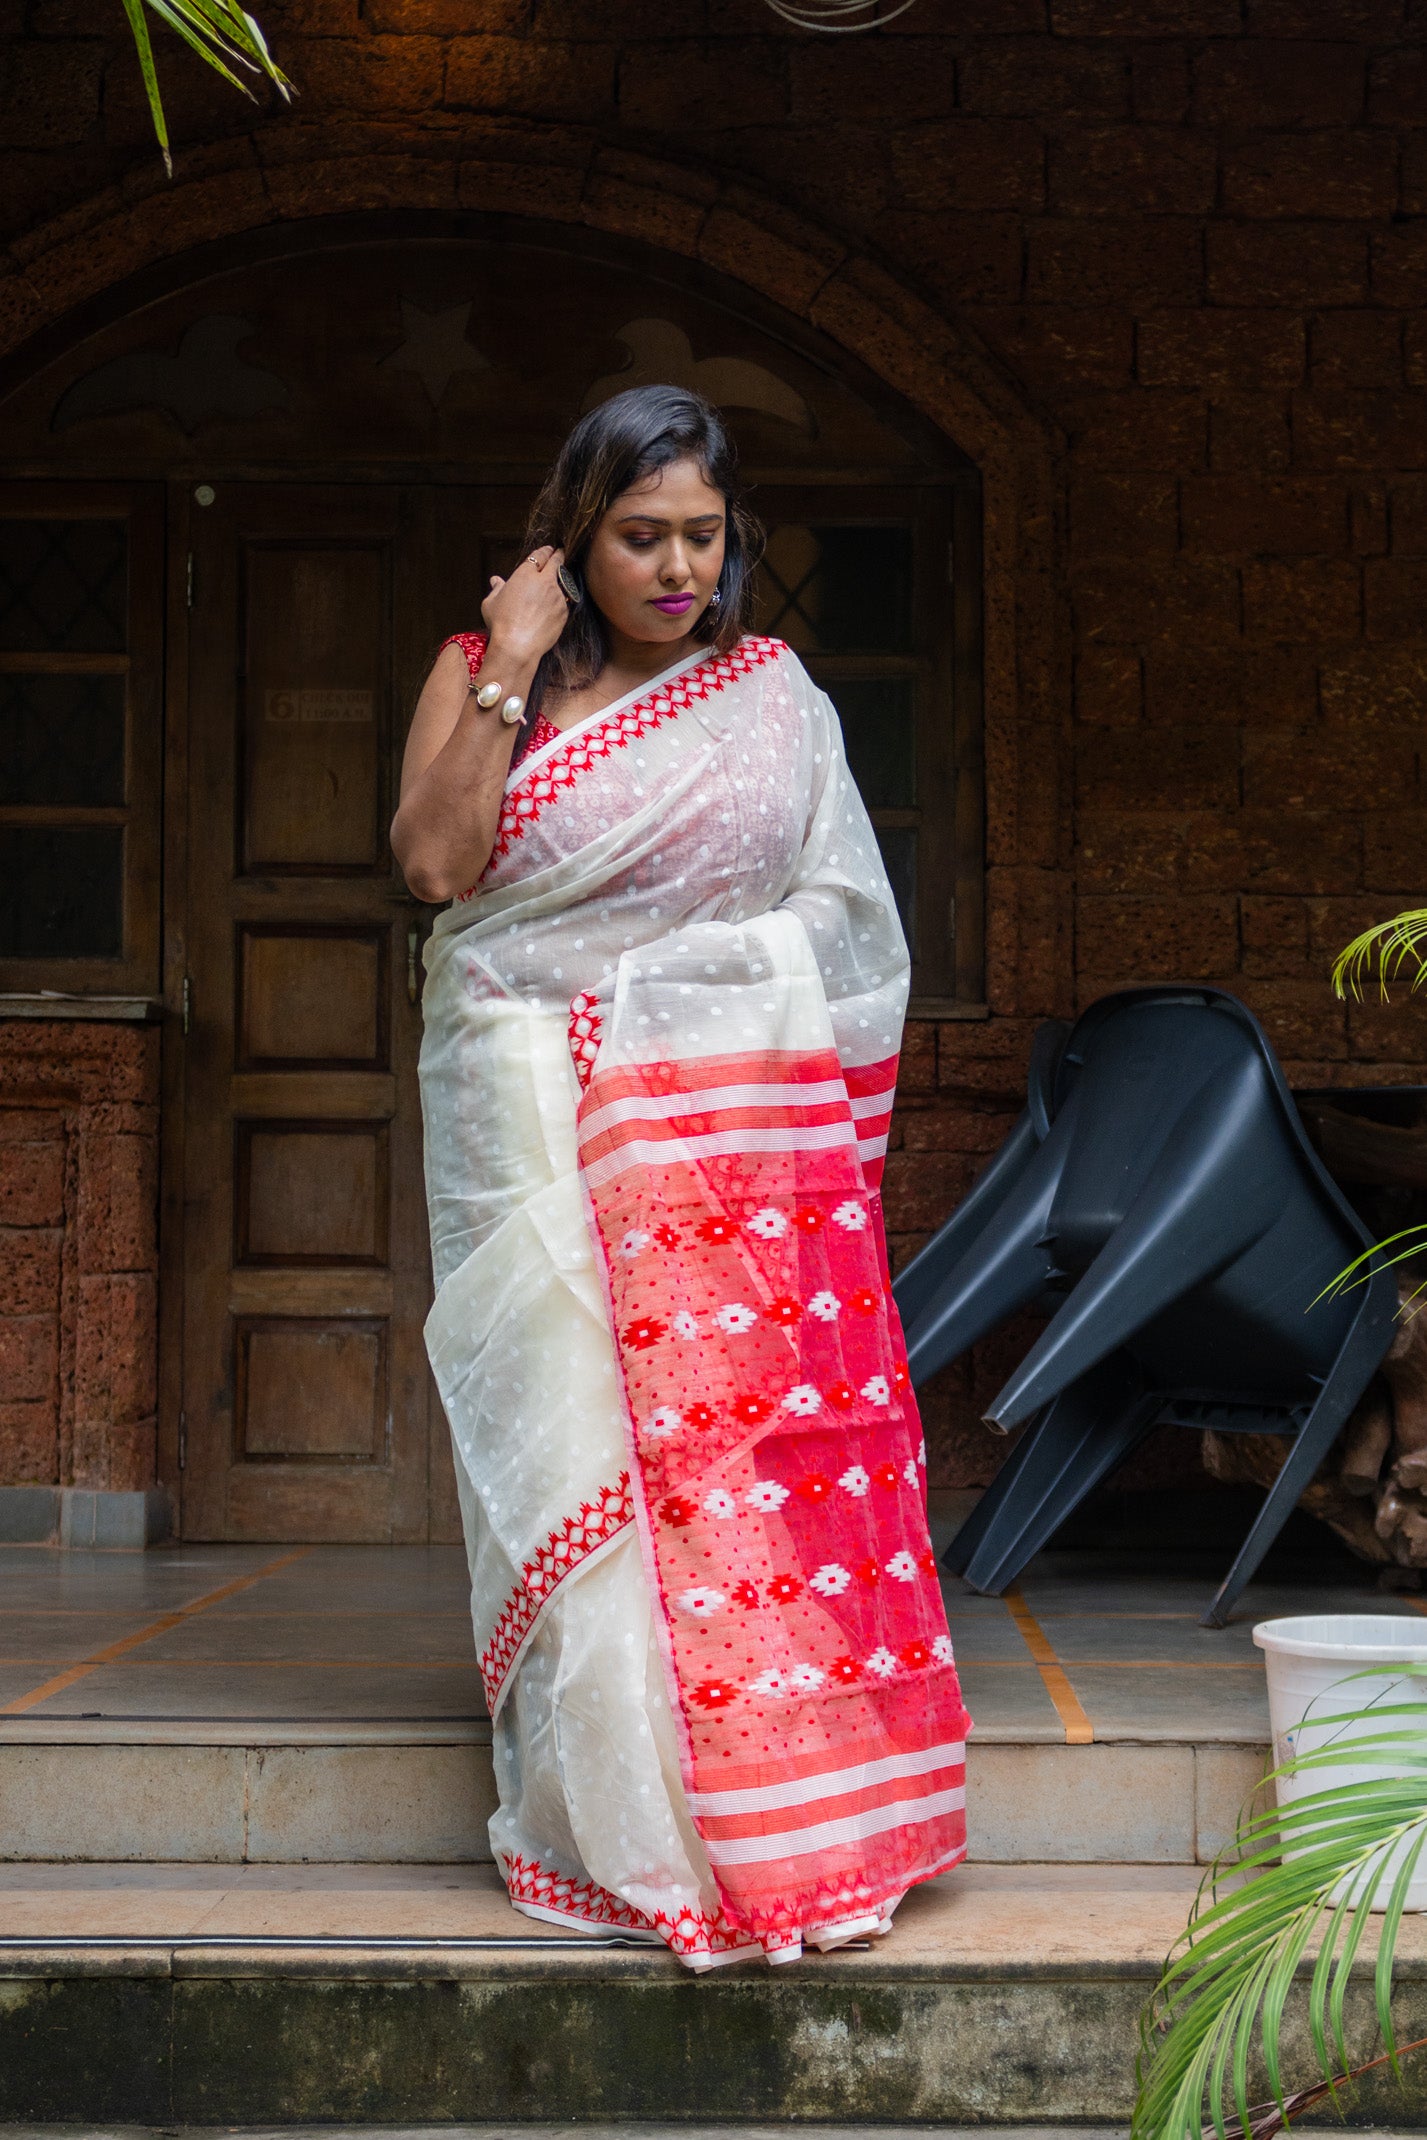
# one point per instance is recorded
(473, 646)
(755, 651)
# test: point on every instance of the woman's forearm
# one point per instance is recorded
(445, 828)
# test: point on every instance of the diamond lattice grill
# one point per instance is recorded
(61, 891)
(831, 589)
(62, 740)
(63, 586)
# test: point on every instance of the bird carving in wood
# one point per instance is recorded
(661, 354)
(202, 381)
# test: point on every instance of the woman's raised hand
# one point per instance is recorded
(528, 612)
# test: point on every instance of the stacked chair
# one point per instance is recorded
(1159, 1200)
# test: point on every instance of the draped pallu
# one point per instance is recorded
(658, 1073)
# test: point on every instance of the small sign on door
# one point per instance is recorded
(310, 706)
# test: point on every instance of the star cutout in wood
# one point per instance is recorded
(436, 348)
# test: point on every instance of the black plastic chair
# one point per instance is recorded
(1160, 1200)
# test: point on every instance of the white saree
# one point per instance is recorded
(657, 1075)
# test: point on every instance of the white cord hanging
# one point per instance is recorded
(814, 14)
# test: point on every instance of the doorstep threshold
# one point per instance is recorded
(36, 1729)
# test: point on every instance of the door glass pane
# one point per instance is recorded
(63, 586)
(838, 590)
(877, 727)
(899, 855)
(61, 892)
(62, 739)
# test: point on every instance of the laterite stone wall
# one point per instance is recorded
(78, 1254)
(1185, 239)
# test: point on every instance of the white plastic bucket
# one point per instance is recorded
(1308, 1656)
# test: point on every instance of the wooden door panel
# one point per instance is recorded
(306, 1391)
(310, 1391)
(316, 706)
(311, 998)
(308, 1403)
(311, 1193)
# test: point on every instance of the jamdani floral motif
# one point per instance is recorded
(806, 1627)
(681, 1275)
(585, 1028)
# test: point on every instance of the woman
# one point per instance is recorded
(662, 1021)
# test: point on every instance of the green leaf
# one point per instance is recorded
(1281, 1916)
(219, 31)
(135, 12)
(1392, 944)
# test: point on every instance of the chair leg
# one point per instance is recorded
(1078, 1440)
(1358, 1360)
(974, 1529)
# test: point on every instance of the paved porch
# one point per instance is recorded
(243, 1796)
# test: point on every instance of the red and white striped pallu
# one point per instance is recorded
(727, 1712)
(776, 1453)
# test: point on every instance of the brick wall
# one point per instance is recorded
(78, 1254)
(1186, 240)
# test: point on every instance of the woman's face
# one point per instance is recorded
(655, 558)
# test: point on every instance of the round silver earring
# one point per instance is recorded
(570, 587)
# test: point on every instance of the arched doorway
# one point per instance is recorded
(256, 501)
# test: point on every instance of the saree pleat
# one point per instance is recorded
(658, 1068)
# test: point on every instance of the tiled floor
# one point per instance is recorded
(222, 1632)
(1085, 1647)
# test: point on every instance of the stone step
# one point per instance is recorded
(180, 1995)
(245, 1792)
(244, 1705)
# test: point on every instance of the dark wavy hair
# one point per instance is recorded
(615, 446)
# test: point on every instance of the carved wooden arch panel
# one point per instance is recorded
(345, 350)
(348, 350)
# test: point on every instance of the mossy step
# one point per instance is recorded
(1004, 1996)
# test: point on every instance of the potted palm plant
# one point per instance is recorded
(1281, 1927)
(1314, 1886)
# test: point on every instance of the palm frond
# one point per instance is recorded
(1345, 1279)
(1266, 2119)
(220, 32)
(1390, 945)
(1295, 1884)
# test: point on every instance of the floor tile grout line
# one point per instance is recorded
(1076, 1724)
(1114, 1664)
(270, 1664)
(161, 1626)
(77, 1612)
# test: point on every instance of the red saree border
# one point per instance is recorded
(568, 1547)
(531, 794)
(692, 1934)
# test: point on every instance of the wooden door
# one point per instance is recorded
(307, 1410)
